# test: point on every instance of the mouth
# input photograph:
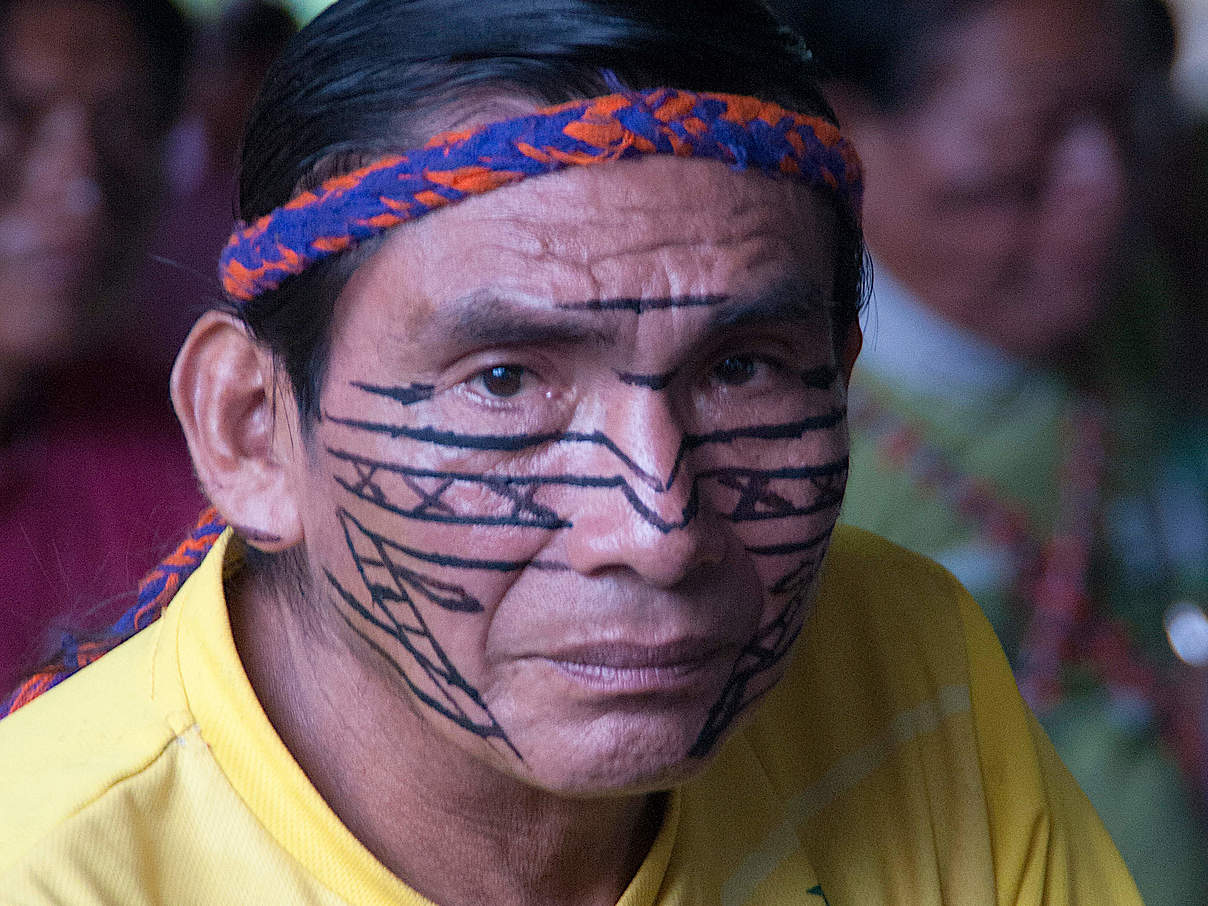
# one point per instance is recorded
(627, 669)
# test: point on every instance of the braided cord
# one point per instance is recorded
(744, 132)
(154, 593)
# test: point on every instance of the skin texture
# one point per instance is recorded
(581, 449)
(997, 193)
(76, 169)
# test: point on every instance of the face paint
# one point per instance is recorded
(582, 534)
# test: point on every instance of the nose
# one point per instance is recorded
(653, 523)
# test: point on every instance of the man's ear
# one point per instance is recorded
(242, 430)
(852, 344)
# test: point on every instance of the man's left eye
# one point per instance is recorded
(503, 380)
(735, 370)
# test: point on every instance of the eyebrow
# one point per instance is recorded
(483, 317)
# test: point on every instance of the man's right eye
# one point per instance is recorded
(502, 381)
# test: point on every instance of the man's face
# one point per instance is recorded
(997, 193)
(581, 448)
(77, 152)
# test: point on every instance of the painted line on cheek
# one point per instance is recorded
(503, 566)
(792, 547)
(518, 442)
(445, 677)
(446, 595)
(489, 732)
(751, 485)
(825, 470)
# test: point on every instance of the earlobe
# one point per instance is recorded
(231, 409)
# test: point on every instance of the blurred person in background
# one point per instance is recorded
(93, 473)
(1006, 417)
(178, 281)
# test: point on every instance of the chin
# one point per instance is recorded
(616, 754)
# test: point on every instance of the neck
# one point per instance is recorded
(453, 828)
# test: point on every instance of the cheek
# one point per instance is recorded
(782, 505)
(422, 535)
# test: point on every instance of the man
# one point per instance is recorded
(94, 477)
(530, 437)
(1002, 421)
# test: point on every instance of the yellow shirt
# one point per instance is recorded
(895, 763)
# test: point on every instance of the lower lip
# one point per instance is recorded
(644, 680)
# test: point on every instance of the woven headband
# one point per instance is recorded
(744, 132)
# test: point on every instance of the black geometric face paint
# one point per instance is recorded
(400, 584)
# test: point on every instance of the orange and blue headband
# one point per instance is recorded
(744, 132)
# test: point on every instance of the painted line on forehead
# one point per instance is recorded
(649, 381)
(496, 317)
(791, 299)
(643, 306)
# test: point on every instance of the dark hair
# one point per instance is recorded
(872, 45)
(370, 76)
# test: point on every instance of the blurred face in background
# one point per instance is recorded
(78, 145)
(996, 192)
